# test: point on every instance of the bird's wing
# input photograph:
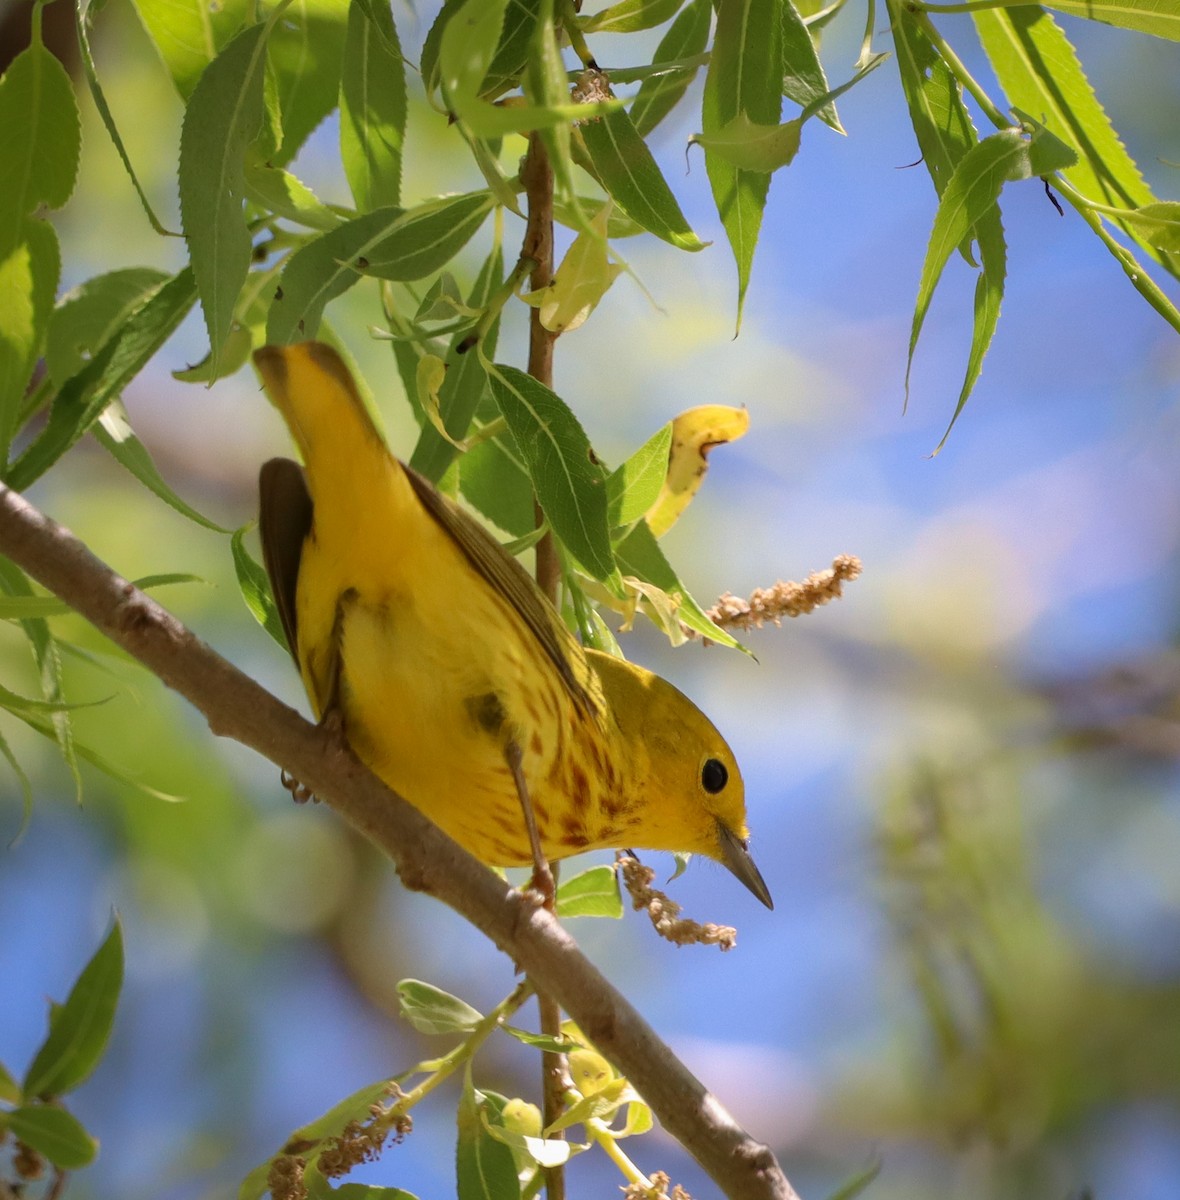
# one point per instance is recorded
(284, 519)
(504, 574)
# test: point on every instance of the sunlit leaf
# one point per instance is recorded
(431, 1010)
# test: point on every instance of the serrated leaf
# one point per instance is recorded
(305, 52)
(53, 1132)
(744, 78)
(114, 433)
(390, 243)
(629, 16)
(81, 1027)
(28, 282)
(286, 195)
(659, 93)
(223, 117)
(84, 396)
(942, 124)
(189, 34)
(626, 169)
(484, 1167)
(569, 483)
(971, 194)
(40, 137)
(1040, 73)
(89, 314)
(591, 893)
(752, 147)
(1161, 20)
(82, 19)
(466, 381)
(804, 80)
(989, 294)
(635, 486)
(1157, 224)
(431, 1010)
(639, 554)
(372, 106)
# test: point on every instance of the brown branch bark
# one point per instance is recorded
(425, 858)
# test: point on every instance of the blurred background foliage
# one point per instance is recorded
(963, 777)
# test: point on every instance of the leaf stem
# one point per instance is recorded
(998, 118)
(447, 1065)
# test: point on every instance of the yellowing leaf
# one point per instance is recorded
(582, 279)
(695, 433)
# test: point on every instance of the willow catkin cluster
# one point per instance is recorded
(665, 912)
(786, 598)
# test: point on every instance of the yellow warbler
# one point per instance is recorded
(455, 679)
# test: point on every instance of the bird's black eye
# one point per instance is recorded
(714, 776)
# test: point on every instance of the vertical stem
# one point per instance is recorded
(537, 176)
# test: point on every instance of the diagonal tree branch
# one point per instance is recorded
(425, 858)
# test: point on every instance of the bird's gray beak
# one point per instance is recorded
(735, 854)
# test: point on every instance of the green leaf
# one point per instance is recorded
(431, 1010)
(43, 645)
(40, 137)
(1160, 18)
(83, 16)
(971, 193)
(495, 481)
(255, 588)
(542, 1041)
(189, 34)
(224, 115)
(1157, 225)
(626, 169)
(989, 293)
(367, 1191)
(940, 119)
(544, 1152)
(744, 78)
(372, 106)
(10, 1092)
(634, 487)
(804, 80)
(28, 282)
(484, 1167)
(659, 93)
(85, 396)
(87, 316)
(591, 893)
(466, 381)
(286, 195)
(390, 243)
(26, 794)
(81, 1027)
(469, 40)
(639, 554)
(629, 16)
(305, 52)
(53, 1132)
(856, 1186)
(567, 478)
(750, 147)
(1040, 73)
